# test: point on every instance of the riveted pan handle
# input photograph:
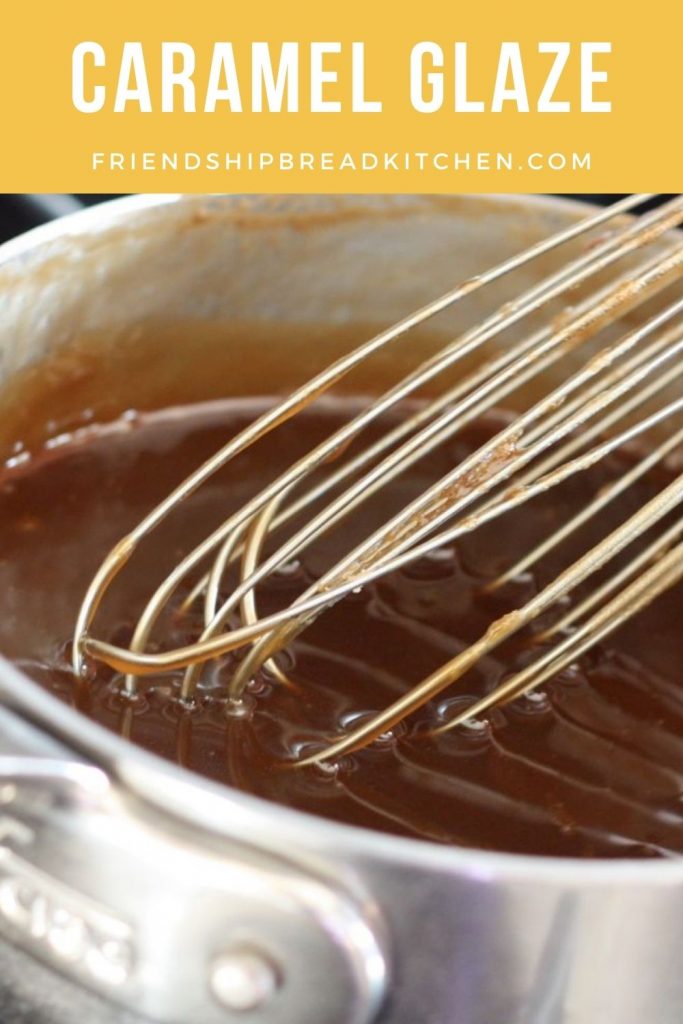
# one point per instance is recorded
(138, 909)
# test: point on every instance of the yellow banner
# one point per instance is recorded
(360, 96)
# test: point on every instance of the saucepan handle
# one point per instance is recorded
(136, 908)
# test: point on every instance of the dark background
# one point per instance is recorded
(19, 212)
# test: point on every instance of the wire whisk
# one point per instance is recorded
(614, 358)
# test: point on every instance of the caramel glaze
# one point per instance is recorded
(592, 766)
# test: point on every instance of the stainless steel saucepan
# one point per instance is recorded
(132, 889)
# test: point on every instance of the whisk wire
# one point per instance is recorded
(299, 399)
(632, 237)
(641, 592)
(494, 462)
(507, 625)
(617, 389)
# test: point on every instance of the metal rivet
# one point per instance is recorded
(243, 980)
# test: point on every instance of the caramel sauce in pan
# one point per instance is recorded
(590, 766)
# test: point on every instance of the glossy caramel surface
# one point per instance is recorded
(590, 766)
